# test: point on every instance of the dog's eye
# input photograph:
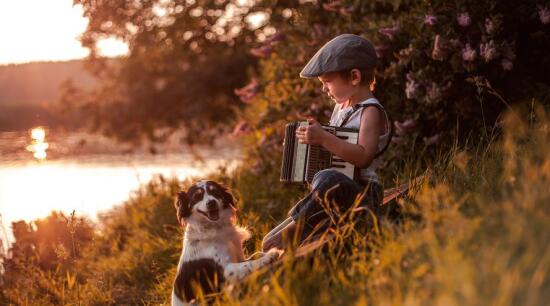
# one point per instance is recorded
(197, 196)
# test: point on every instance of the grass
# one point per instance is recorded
(476, 232)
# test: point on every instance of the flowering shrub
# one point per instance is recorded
(445, 67)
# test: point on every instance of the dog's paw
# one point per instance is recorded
(273, 254)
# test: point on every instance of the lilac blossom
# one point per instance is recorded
(463, 19)
(397, 139)
(490, 26)
(433, 93)
(390, 32)
(248, 92)
(380, 50)
(488, 51)
(507, 64)
(432, 139)
(275, 37)
(411, 87)
(430, 20)
(263, 51)
(468, 54)
(241, 128)
(405, 127)
(544, 14)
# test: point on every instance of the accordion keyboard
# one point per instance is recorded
(302, 161)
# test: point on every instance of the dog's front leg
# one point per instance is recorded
(237, 271)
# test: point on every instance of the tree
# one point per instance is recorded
(185, 60)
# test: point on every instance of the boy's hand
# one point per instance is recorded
(312, 134)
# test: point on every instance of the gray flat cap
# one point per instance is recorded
(346, 51)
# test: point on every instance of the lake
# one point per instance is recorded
(89, 173)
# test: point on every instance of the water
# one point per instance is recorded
(89, 176)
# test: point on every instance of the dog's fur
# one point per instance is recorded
(212, 243)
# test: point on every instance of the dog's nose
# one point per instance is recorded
(210, 205)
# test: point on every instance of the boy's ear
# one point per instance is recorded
(355, 76)
(182, 205)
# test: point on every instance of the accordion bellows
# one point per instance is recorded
(301, 161)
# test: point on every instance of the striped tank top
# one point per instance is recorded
(354, 121)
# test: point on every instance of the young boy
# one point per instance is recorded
(345, 66)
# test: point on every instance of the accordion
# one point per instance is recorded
(301, 161)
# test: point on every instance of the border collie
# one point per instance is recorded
(212, 243)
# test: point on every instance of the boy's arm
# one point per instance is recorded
(360, 154)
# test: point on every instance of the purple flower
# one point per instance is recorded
(468, 54)
(432, 139)
(333, 6)
(402, 128)
(488, 51)
(241, 128)
(275, 38)
(411, 88)
(544, 14)
(263, 51)
(463, 19)
(433, 93)
(490, 26)
(397, 140)
(390, 32)
(380, 50)
(248, 92)
(346, 11)
(430, 19)
(507, 64)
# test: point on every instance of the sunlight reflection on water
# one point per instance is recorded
(31, 190)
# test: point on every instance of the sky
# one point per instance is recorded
(45, 30)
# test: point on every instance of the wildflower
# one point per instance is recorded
(275, 38)
(248, 92)
(468, 54)
(463, 19)
(404, 55)
(437, 51)
(380, 50)
(397, 139)
(346, 11)
(430, 19)
(411, 87)
(405, 127)
(433, 93)
(544, 14)
(332, 7)
(490, 26)
(488, 51)
(241, 128)
(432, 139)
(390, 32)
(507, 64)
(262, 51)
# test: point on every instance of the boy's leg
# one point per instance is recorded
(331, 193)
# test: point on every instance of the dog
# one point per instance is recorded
(212, 243)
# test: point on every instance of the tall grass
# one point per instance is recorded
(475, 232)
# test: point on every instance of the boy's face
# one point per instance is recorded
(338, 89)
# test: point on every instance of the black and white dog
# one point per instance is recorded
(212, 243)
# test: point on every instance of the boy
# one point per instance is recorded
(345, 66)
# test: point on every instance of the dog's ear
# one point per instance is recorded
(227, 197)
(183, 207)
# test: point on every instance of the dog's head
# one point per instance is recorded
(205, 202)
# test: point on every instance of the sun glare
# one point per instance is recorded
(38, 146)
(38, 30)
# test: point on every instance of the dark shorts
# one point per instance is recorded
(331, 194)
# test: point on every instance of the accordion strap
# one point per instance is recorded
(389, 122)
